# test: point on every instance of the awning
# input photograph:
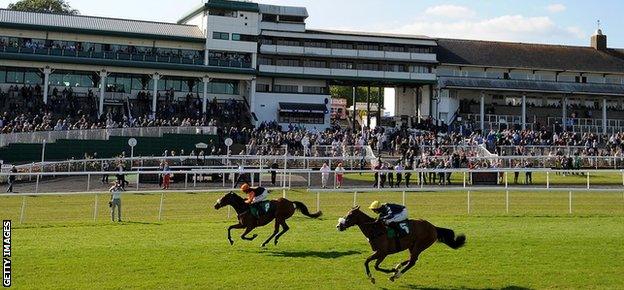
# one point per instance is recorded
(302, 108)
(531, 86)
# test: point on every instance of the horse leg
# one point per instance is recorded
(247, 231)
(378, 262)
(285, 228)
(237, 226)
(374, 256)
(414, 253)
(275, 231)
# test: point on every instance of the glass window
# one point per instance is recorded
(220, 35)
(2, 75)
(15, 77)
(32, 78)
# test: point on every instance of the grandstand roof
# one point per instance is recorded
(528, 55)
(99, 25)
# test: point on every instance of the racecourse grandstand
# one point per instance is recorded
(80, 86)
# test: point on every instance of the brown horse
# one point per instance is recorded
(284, 209)
(421, 236)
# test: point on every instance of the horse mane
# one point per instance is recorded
(238, 203)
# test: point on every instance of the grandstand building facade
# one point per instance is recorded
(265, 57)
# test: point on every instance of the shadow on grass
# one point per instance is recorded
(314, 254)
(513, 287)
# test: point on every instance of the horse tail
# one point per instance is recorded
(304, 210)
(448, 237)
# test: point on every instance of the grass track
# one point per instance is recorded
(537, 245)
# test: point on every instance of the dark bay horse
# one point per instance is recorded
(421, 236)
(284, 209)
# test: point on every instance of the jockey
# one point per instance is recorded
(389, 214)
(254, 195)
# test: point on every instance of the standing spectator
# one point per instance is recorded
(166, 176)
(390, 175)
(274, 167)
(115, 202)
(528, 175)
(161, 168)
(408, 175)
(104, 169)
(376, 168)
(11, 178)
(325, 170)
(339, 175)
(399, 173)
(382, 175)
(121, 177)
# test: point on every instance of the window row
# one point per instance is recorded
(346, 45)
(235, 36)
(265, 88)
(415, 68)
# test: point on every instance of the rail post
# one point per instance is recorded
(587, 179)
(354, 198)
(284, 193)
(23, 209)
(547, 180)
(95, 207)
(468, 201)
(318, 201)
(507, 201)
(138, 181)
(186, 180)
(570, 202)
(162, 197)
(404, 198)
(88, 182)
(464, 179)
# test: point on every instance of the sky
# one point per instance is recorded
(552, 22)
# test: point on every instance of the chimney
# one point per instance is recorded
(599, 41)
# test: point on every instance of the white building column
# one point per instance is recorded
(252, 100)
(155, 78)
(103, 74)
(205, 81)
(47, 71)
(524, 112)
(482, 112)
(564, 112)
(604, 116)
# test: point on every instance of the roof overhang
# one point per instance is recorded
(310, 34)
(530, 86)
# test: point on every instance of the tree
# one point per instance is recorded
(43, 6)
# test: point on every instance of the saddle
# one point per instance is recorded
(398, 230)
(261, 208)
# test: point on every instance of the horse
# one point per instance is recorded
(284, 209)
(421, 236)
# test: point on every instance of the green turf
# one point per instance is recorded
(536, 245)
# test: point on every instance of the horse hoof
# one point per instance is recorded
(231, 243)
(372, 280)
(391, 278)
(276, 242)
(254, 237)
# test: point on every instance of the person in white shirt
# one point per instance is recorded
(115, 202)
(339, 175)
(325, 170)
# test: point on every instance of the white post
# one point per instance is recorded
(138, 180)
(468, 201)
(23, 209)
(354, 198)
(507, 201)
(103, 75)
(524, 112)
(88, 182)
(570, 203)
(564, 109)
(604, 116)
(205, 80)
(464, 179)
(46, 83)
(252, 97)
(403, 198)
(482, 112)
(284, 193)
(547, 180)
(95, 207)
(318, 201)
(155, 78)
(587, 179)
(162, 197)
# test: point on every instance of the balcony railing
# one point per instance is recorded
(143, 57)
(228, 63)
(99, 134)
